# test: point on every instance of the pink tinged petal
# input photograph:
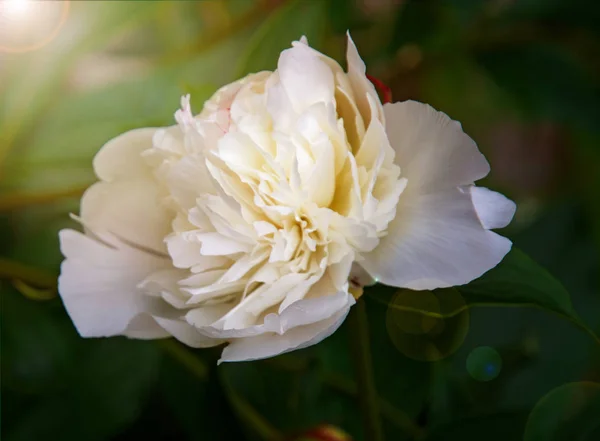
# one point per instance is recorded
(435, 241)
(297, 337)
(494, 209)
(131, 210)
(305, 78)
(98, 285)
(431, 149)
(120, 158)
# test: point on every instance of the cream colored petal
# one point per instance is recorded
(321, 184)
(215, 244)
(301, 313)
(131, 210)
(186, 254)
(307, 80)
(361, 85)
(271, 344)
(121, 157)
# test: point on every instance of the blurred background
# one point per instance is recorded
(522, 76)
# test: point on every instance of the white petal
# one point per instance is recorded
(186, 254)
(494, 209)
(270, 344)
(215, 244)
(303, 312)
(306, 79)
(121, 157)
(435, 241)
(187, 334)
(144, 327)
(98, 285)
(130, 210)
(431, 149)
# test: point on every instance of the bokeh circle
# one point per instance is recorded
(569, 412)
(484, 363)
(427, 325)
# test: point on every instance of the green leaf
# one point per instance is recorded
(516, 281)
(569, 412)
(520, 280)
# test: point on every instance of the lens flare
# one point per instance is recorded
(28, 25)
(427, 325)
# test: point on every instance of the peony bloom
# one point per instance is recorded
(257, 221)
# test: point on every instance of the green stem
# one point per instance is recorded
(245, 411)
(250, 416)
(12, 270)
(367, 393)
(185, 357)
(347, 387)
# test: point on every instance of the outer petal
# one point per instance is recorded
(186, 333)
(432, 150)
(121, 157)
(271, 344)
(98, 285)
(494, 209)
(144, 327)
(130, 210)
(435, 241)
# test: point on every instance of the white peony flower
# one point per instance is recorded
(253, 222)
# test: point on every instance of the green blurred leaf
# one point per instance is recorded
(569, 412)
(288, 23)
(496, 427)
(36, 345)
(521, 281)
(546, 82)
(105, 392)
(59, 154)
(33, 80)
